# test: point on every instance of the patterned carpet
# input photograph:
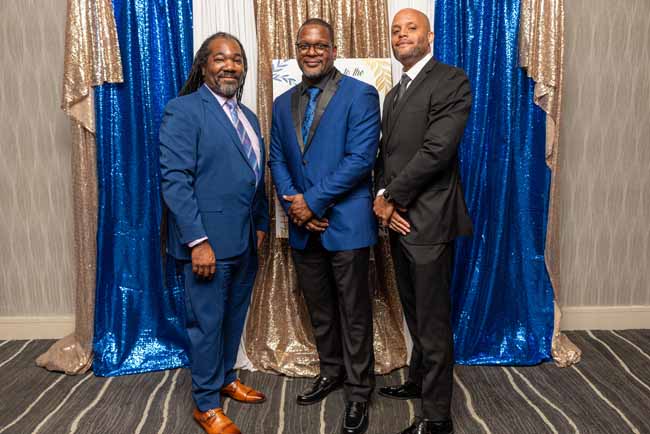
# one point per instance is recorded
(607, 393)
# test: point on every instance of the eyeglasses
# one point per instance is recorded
(303, 47)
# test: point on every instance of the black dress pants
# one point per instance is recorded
(423, 278)
(335, 287)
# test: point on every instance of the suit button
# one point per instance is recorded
(388, 153)
(253, 183)
(304, 162)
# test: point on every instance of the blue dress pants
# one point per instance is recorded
(215, 314)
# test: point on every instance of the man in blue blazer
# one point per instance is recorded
(212, 167)
(324, 141)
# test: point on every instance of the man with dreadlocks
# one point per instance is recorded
(212, 167)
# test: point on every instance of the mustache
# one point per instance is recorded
(228, 75)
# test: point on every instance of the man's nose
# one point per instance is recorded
(230, 65)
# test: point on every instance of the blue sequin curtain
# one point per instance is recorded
(502, 296)
(138, 318)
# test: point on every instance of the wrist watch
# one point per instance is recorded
(387, 196)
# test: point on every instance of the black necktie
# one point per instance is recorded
(403, 84)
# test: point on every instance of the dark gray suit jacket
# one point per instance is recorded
(418, 156)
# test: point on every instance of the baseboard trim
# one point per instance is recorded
(573, 318)
(605, 317)
(35, 327)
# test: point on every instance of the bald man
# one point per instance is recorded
(419, 197)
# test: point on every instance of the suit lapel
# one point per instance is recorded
(218, 112)
(410, 91)
(297, 116)
(388, 110)
(324, 100)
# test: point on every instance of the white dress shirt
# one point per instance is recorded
(415, 69)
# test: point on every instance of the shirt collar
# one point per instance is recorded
(415, 69)
(222, 99)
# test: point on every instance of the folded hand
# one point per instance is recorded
(399, 223)
(316, 225)
(299, 211)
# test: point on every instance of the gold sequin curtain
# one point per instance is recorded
(541, 53)
(92, 57)
(278, 335)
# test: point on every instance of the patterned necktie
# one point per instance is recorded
(243, 137)
(403, 84)
(309, 112)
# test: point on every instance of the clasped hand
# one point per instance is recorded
(390, 217)
(301, 215)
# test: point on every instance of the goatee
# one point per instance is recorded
(227, 90)
(314, 75)
(317, 75)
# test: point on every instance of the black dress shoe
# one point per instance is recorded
(322, 387)
(424, 426)
(356, 418)
(408, 390)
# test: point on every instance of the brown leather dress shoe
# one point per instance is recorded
(242, 393)
(214, 421)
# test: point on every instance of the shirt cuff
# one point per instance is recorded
(196, 242)
(380, 192)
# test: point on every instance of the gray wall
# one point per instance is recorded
(605, 158)
(35, 175)
(605, 154)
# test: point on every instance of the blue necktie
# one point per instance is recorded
(243, 137)
(309, 112)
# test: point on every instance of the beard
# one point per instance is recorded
(318, 73)
(315, 75)
(417, 51)
(226, 89)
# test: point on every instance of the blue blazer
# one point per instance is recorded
(207, 182)
(334, 170)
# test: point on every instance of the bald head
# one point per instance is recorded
(412, 15)
(411, 36)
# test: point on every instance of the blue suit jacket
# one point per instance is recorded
(207, 182)
(334, 171)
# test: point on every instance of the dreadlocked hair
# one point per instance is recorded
(195, 79)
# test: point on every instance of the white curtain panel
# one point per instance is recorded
(238, 18)
(427, 7)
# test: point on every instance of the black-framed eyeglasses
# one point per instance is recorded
(303, 47)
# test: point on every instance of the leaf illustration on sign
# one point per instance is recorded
(280, 72)
(383, 78)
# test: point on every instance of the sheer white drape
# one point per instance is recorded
(238, 18)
